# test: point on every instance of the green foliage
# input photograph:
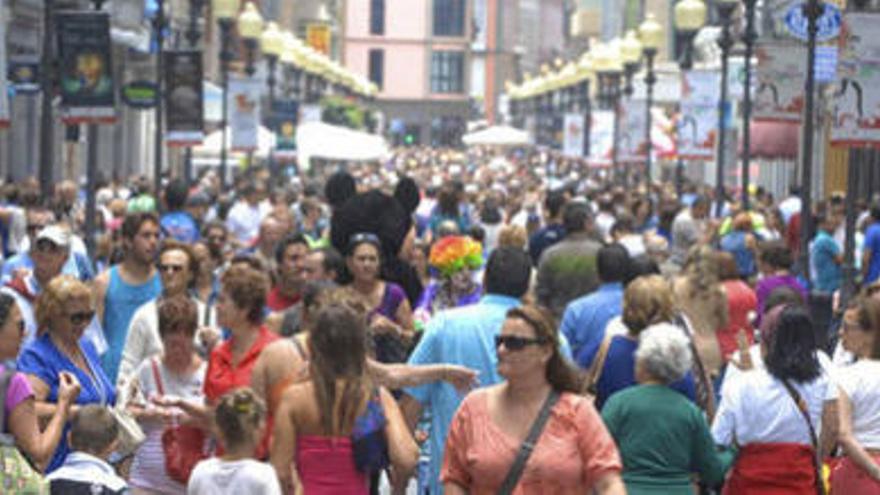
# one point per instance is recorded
(340, 111)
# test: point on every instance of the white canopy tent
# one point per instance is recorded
(320, 140)
(211, 145)
(498, 136)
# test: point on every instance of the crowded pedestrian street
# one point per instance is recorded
(426, 247)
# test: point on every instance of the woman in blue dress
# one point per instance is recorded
(64, 310)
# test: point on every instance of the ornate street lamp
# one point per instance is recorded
(631, 53)
(609, 68)
(812, 10)
(651, 34)
(224, 12)
(292, 59)
(192, 37)
(689, 17)
(725, 42)
(584, 74)
(250, 27)
(272, 46)
(749, 37)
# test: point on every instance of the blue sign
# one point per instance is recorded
(826, 64)
(828, 23)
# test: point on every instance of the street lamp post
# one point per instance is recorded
(812, 10)
(651, 34)
(272, 46)
(250, 27)
(690, 17)
(609, 69)
(192, 36)
(225, 12)
(749, 37)
(631, 53)
(47, 88)
(159, 27)
(584, 71)
(725, 42)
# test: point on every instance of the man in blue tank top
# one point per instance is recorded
(123, 288)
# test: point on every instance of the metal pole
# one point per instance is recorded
(812, 10)
(192, 36)
(725, 43)
(650, 80)
(91, 169)
(749, 38)
(614, 80)
(47, 122)
(159, 26)
(585, 88)
(225, 28)
(853, 173)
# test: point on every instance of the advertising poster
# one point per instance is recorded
(4, 93)
(318, 37)
(183, 98)
(856, 100)
(779, 94)
(601, 138)
(285, 114)
(244, 112)
(573, 137)
(633, 133)
(86, 72)
(696, 129)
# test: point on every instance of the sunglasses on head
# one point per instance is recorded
(514, 343)
(81, 317)
(364, 237)
(170, 268)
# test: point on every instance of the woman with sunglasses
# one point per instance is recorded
(178, 269)
(64, 310)
(19, 403)
(858, 402)
(390, 315)
(573, 454)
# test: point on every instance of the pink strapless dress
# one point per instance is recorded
(326, 467)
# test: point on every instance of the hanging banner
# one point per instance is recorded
(24, 74)
(183, 98)
(4, 92)
(696, 131)
(856, 102)
(318, 36)
(285, 114)
(601, 138)
(86, 71)
(633, 132)
(701, 87)
(779, 95)
(573, 137)
(244, 112)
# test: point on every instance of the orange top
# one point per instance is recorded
(573, 452)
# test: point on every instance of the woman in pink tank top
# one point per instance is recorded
(338, 428)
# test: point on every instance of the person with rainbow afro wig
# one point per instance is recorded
(453, 260)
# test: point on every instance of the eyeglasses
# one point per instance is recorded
(514, 343)
(47, 246)
(81, 317)
(170, 268)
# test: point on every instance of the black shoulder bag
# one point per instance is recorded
(528, 445)
(817, 461)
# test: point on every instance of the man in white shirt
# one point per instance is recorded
(246, 215)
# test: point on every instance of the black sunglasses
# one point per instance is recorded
(364, 237)
(81, 317)
(514, 343)
(170, 268)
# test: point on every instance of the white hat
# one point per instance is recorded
(56, 234)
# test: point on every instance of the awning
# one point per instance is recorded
(774, 140)
(497, 136)
(211, 145)
(320, 140)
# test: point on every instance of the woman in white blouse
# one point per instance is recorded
(762, 413)
(859, 402)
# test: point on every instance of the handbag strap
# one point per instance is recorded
(157, 377)
(598, 364)
(805, 413)
(528, 445)
(705, 390)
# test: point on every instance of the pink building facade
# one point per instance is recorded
(418, 53)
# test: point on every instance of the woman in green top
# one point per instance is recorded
(662, 436)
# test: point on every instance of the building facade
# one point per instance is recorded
(418, 53)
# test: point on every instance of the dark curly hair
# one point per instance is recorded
(791, 349)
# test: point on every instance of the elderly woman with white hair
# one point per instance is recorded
(662, 437)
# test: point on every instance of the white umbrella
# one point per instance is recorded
(211, 144)
(320, 140)
(501, 135)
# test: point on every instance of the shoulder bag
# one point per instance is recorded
(17, 475)
(595, 370)
(528, 445)
(802, 407)
(183, 446)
